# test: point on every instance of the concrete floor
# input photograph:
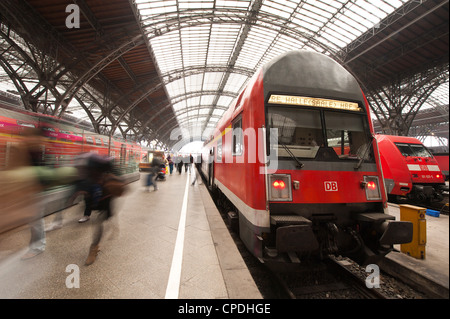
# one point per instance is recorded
(136, 251)
(432, 271)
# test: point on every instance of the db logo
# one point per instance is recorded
(331, 186)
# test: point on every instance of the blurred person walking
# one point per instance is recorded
(24, 157)
(29, 157)
(169, 158)
(180, 164)
(34, 153)
(101, 187)
(155, 166)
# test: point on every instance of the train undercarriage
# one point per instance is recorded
(363, 237)
(423, 195)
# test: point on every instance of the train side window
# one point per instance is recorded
(238, 137)
(89, 140)
(25, 124)
(49, 131)
(219, 150)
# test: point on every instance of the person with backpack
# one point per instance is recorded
(101, 186)
(154, 169)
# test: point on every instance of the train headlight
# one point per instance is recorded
(372, 187)
(280, 187)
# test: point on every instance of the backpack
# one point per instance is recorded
(114, 185)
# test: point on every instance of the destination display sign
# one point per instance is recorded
(313, 101)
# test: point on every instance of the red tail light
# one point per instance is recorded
(371, 185)
(280, 187)
(279, 184)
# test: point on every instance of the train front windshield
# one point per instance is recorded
(307, 134)
(413, 150)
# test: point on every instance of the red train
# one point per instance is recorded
(443, 161)
(296, 156)
(65, 141)
(410, 170)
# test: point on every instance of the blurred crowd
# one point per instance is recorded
(26, 177)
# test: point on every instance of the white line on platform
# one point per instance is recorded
(173, 286)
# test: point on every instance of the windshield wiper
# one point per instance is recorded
(300, 164)
(361, 160)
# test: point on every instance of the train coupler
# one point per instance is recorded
(396, 232)
(390, 231)
(294, 233)
(296, 238)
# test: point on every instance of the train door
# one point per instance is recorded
(211, 167)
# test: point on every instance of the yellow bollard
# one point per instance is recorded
(416, 215)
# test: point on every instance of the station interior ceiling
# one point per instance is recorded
(162, 73)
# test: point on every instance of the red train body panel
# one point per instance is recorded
(409, 169)
(442, 159)
(295, 154)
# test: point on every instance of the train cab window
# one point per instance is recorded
(420, 150)
(347, 136)
(238, 137)
(413, 150)
(299, 131)
(320, 135)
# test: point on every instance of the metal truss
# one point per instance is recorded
(48, 86)
(396, 104)
(345, 55)
(53, 77)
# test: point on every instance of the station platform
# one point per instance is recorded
(169, 244)
(166, 244)
(430, 273)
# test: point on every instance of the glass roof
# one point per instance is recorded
(207, 50)
(439, 98)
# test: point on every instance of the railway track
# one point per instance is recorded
(442, 206)
(339, 278)
(334, 278)
(328, 279)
